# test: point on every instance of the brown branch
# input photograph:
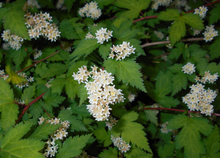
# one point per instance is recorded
(178, 110)
(147, 17)
(166, 42)
(27, 107)
(47, 113)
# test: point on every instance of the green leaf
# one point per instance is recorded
(80, 110)
(12, 146)
(18, 56)
(28, 94)
(177, 30)
(55, 69)
(44, 130)
(176, 68)
(102, 3)
(49, 51)
(104, 50)
(212, 143)
(166, 151)
(129, 131)
(193, 20)
(84, 48)
(57, 85)
(134, 6)
(169, 15)
(189, 136)
(137, 152)
(103, 136)
(14, 20)
(126, 71)
(75, 67)
(67, 30)
(163, 83)
(176, 52)
(167, 102)
(179, 82)
(72, 87)
(8, 109)
(36, 111)
(68, 4)
(152, 116)
(215, 49)
(82, 94)
(214, 17)
(73, 146)
(110, 153)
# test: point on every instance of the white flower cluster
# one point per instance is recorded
(102, 35)
(164, 128)
(159, 34)
(24, 84)
(89, 36)
(201, 11)
(111, 122)
(121, 51)
(131, 97)
(40, 25)
(0, 4)
(59, 5)
(47, 84)
(19, 101)
(207, 78)
(37, 53)
(100, 91)
(33, 3)
(200, 99)
(13, 40)
(156, 105)
(90, 10)
(120, 144)
(5, 46)
(168, 45)
(60, 134)
(210, 33)
(189, 68)
(182, 3)
(196, 32)
(157, 3)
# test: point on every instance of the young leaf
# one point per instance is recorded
(84, 48)
(189, 136)
(129, 131)
(73, 146)
(126, 71)
(212, 143)
(43, 131)
(134, 7)
(169, 15)
(110, 153)
(177, 30)
(103, 136)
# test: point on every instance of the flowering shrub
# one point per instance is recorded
(109, 78)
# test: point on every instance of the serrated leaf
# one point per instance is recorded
(18, 56)
(126, 71)
(13, 77)
(75, 67)
(152, 116)
(215, 49)
(169, 15)
(104, 50)
(73, 146)
(166, 101)
(36, 111)
(43, 131)
(189, 136)
(179, 82)
(72, 87)
(84, 48)
(137, 152)
(28, 93)
(57, 85)
(67, 30)
(163, 83)
(80, 110)
(176, 52)
(102, 3)
(82, 94)
(176, 68)
(103, 136)
(14, 20)
(193, 20)
(177, 30)
(212, 143)
(69, 4)
(129, 131)
(134, 6)
(215, 16)
(166, 151)
(49, 51)
(110, 153)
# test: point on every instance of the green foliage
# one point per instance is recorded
(169, 15)
(110, 153)
(103, 136)
(166, 151)
(214, 17)
(189, 136)
(67, 30)
(73, 146)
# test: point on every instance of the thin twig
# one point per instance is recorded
(166, 42)
(27, 107)
(47, 113)
(178, 110)
(205, 6)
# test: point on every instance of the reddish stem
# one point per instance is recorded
(205, 6)
(27, 107)
(147, 17)
(38, 61)
(47, 113)
(179, 110)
